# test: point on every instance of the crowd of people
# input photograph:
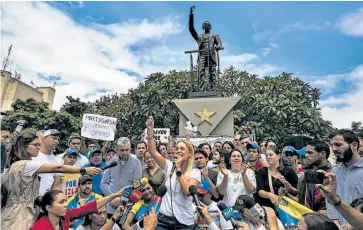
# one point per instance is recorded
(232, 185)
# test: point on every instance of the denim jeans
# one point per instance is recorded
(171, 223)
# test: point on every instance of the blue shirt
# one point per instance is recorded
(96, 180)
(73, 203)
(349, 187)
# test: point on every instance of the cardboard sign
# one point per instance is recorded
(99, 127)
(70, 183)
(161, 135)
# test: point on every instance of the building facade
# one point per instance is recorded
(13, 89)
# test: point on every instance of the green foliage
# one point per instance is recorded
(38, 116)
(270, 107)
(357, 127)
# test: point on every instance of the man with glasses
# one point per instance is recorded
(95, 158)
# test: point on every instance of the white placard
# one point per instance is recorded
(98, 127)
(161, 135)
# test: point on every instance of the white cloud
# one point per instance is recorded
(352, 23)
(47, 41)
(267, 50)
(342, 116)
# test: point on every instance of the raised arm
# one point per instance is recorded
(191, 25)
(160, 160)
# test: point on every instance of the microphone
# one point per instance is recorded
(138, 183)
(193, 192)
(227, 213)
(135, 196)
(113, 164)
(161, 193)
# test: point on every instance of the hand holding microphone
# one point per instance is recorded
(193, 192)
(227, 213)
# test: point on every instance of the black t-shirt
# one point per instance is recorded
(263, 184)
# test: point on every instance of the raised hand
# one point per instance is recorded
(329, 188)
(150, 123)
(151, 220)
(244, 168)
(191, 9)
(223, 169)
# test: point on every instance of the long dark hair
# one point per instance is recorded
(48, 199)
(18, 151)
(228, 156)
(315, 221)
(210, 157)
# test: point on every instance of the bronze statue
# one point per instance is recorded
(208, 46)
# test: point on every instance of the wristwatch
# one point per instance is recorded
(178, 173)
(82, 171)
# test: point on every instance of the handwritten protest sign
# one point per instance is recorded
(99, 127)
(160, 135)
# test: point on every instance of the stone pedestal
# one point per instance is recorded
(212, 115)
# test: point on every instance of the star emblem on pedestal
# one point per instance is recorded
(205, 115)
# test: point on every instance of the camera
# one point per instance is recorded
(314, 177)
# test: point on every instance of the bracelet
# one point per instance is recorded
(339, 201)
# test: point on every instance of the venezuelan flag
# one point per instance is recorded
(290, 212)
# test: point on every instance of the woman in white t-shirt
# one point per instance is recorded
(239, 180)
(22, 182)
(176, 210)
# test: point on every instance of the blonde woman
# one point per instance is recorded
(176, 211)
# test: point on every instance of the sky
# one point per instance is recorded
(98, 48)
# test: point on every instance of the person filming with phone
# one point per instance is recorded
(317, 154)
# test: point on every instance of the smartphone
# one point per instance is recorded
(314, 177)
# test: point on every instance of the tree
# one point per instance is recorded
(357, 127)
(270, 107)
(38, 117)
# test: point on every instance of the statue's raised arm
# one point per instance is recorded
(191, 24)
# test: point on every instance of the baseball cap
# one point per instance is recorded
(204, 187)
(110, 149)
(244, 201)
(83, 179)
(71, 151)
(301, 152)
(252, 146)
(94, 151)
(52, 132)
(289, 149)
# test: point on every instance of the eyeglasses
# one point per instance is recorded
(36, 145)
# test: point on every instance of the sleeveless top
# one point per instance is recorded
(19, 212)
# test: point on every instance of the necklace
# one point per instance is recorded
(236, 181)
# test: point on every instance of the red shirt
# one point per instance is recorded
(45, 224)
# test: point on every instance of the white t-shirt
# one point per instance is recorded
(215, 214)
(46, 179)
(235, 188)
(30, 169)
(281, 226)
(114, 227)
(182, 206)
